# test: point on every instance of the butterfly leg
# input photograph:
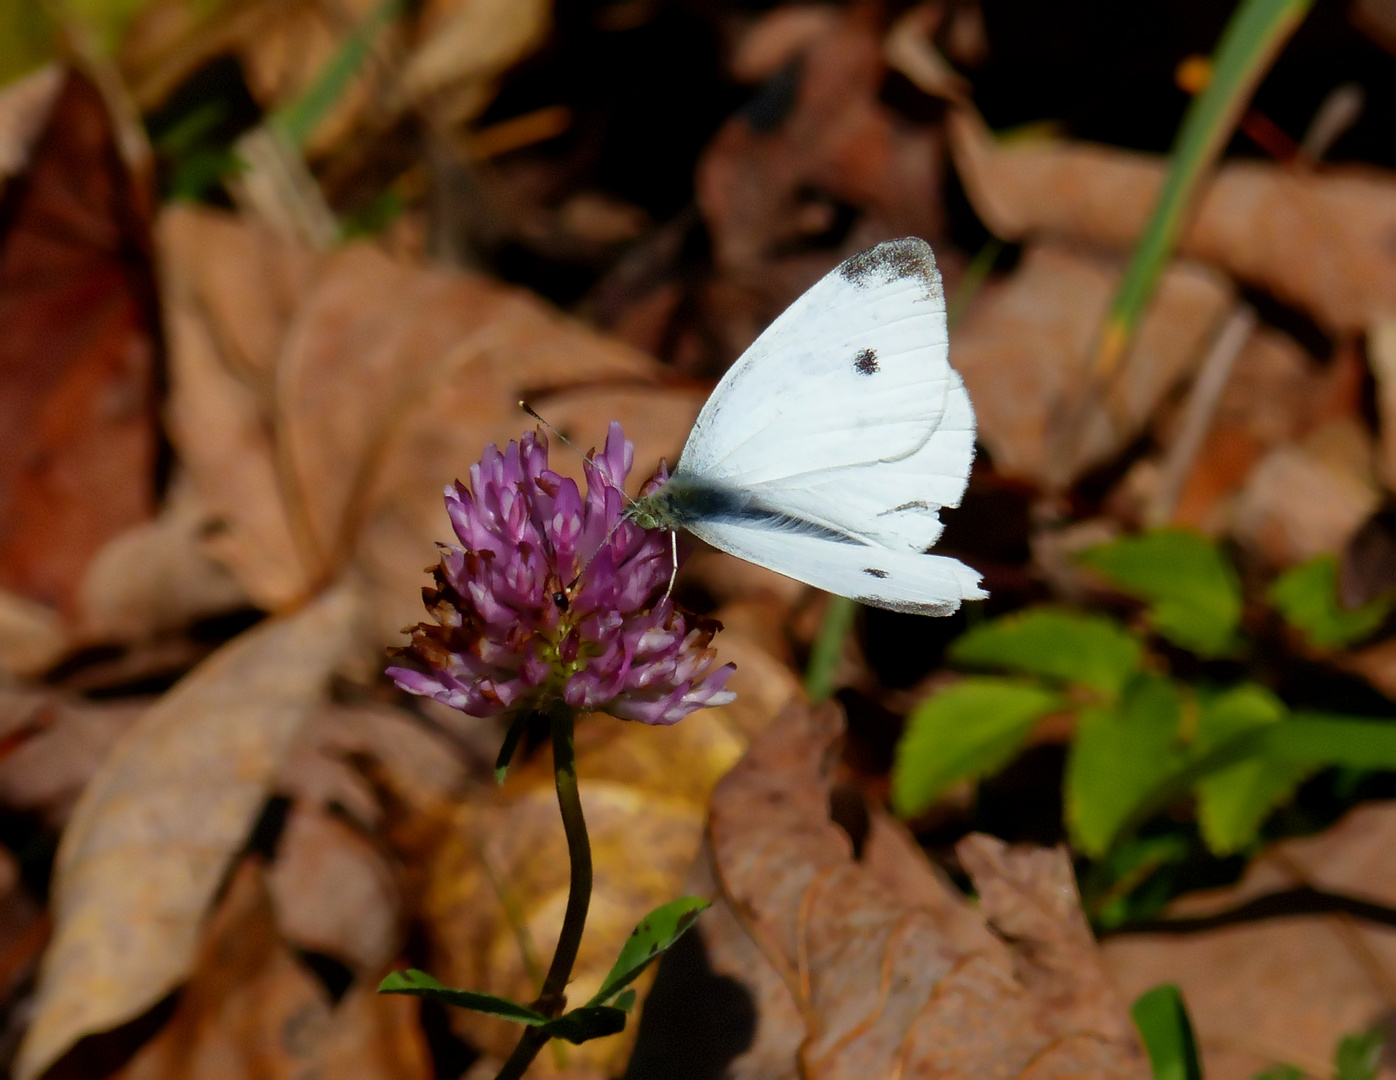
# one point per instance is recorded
(674, 550)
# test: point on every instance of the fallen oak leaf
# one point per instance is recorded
(150, 840)
(884, 986)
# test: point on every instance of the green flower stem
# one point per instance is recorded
(553, 998)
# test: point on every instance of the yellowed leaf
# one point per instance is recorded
(151, 838)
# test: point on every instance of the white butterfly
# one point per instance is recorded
(828, 448)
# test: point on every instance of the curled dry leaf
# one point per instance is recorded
(500, 878)
(253, 1011)
(1319, 240)
(890, 972)
(151, 837)
(1025, 347)
(324, 437)
(1239, 978)
(77, 356)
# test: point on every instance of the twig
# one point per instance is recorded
(1207, 389)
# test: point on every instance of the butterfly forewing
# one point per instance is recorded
(893, 503)
(855, 371)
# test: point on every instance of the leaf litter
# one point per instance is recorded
(193, 666)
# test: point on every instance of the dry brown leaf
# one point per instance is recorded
(253, 1012)
(151, 837)
(836, 139)
(1269, 400)
(1025, 346)
(1308, 499)
(24, 110)
(333, 891)
(77, 358)
(59, 743)
(157, 576)
(1318, 240)
(1281, 989)
(897, 975)
(329, 437)
(464, 45)
(32, 636)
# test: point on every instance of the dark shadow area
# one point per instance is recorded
(695, 1022)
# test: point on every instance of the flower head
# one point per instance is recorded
(552, 596)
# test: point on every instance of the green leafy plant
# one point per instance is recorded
(1143, 739)
(1307, 597)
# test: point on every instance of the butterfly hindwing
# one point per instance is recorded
(855, 371)
(880, 577)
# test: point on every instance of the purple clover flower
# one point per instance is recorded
(511, 634)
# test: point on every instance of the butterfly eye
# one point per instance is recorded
(560, 599)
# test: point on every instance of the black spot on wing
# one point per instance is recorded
(874, 572)
(893, 261)
(865, 363)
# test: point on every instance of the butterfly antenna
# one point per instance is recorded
(526, 407)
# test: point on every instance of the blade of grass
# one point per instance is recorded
(1249, 44)
(296, 120)
(824, 657)
(1162, 1020)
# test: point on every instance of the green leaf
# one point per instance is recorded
(1280, 1072)
(1358, 1056)
(656, 932)
(969, 729)
(420, 984)
(1233, 802)
(1307, 597)
(1162, 1020)
(1089, 650)
(1252, 39)
(1321, 739)
(586, 1023)
(1121, 756)
(625, 1001)
(1193, 593)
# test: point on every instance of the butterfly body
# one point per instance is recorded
(828, 449)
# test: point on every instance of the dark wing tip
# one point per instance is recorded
(910, 257)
